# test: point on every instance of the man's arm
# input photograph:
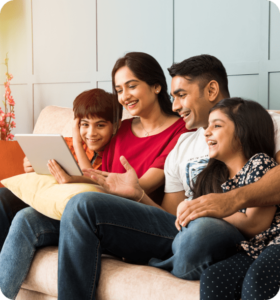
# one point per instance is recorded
(265, 192)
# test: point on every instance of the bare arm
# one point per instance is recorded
(83, 160)
(127, 185)
(27, 165)
(62, 177)
(254, 221)
(265, 192)
(151, 180)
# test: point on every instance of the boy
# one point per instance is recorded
(96, 115)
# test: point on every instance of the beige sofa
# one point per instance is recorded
(119, 280)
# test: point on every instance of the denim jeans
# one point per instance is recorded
(94, 223)
(9, 206)
(29, 231)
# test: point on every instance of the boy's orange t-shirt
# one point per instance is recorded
(90, 154)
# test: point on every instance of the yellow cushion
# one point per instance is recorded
(44, 194)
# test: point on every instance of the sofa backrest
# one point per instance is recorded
(56, 119)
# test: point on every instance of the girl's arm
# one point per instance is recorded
(83, 160)
(254, 221)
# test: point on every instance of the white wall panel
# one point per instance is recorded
(132, 25)
(227, 29)
(56, 94)
(64, 36)
(274, 32)
(15, 39)
(274, 91)
(245, 86)
(105, 85)
(23, 108)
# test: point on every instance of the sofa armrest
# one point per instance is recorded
(11, 159)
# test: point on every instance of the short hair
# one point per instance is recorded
(97, 103)
(202, 68)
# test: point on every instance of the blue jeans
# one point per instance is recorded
(95, 223)
(9, 206)
(29, 231)
(203, 242)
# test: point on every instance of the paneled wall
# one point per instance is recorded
(59, 48)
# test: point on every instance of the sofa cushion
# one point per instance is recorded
(43, 193)
(118, 280)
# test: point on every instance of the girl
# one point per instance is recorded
(241, 153)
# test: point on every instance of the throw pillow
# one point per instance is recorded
(44, 194)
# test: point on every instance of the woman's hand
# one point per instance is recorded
(27, 166)
(124, 185)
(58, 173)
(77, 139)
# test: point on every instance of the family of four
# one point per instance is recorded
(218, 221)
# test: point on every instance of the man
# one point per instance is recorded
(95, 223)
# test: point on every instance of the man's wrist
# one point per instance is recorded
(139, 193)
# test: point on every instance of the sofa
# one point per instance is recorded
(119, 280)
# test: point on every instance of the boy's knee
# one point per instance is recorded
(26, 217)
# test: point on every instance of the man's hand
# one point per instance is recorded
(58, 173)
(77, 139)
(212, 205)
(124, 185)
(27, 166)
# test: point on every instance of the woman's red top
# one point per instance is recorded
(142, 153)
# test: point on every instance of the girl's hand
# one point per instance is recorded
(27, 166)
(77, 139)
(124, 185)
(58, 173)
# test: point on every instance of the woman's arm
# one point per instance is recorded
(83, 160)
(151, 180)
(127, 185)
(254, 221)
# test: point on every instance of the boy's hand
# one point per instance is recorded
(124, 185)
(27, 166)
(58, 173)
(76, 131)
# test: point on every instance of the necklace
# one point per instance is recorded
(147, 133)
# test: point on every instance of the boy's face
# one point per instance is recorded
(96, 132)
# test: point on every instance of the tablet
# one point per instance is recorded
(40, 148)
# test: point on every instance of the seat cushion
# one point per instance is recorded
(118, 280)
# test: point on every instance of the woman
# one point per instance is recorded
(141, 87)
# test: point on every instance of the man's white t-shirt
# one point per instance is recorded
(191, 155)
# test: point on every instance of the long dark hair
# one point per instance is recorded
(147, 69)
(253, 128)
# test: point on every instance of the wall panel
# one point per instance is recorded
(105, 85)
(274, 49)
(245, 86)
(226, 29)
(56, 94)
(64, 36)
(23, 108)
(274, 91)
(125, 26)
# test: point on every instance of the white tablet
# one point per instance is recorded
(40, 148)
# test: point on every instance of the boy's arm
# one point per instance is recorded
(254, 221)
(83, 160)
(265, 192)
